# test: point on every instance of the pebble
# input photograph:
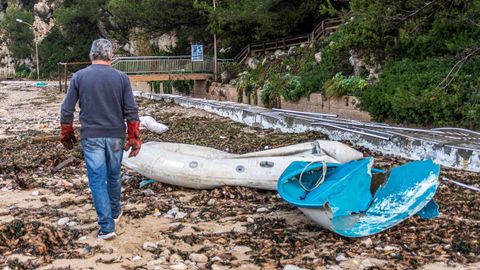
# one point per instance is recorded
(175, 258)
(366, 264)
(172, 212)
(262, 210)
(180, 215)
(367, 242)
(390, 248)
(71, 224)
(82, 238)
(136, 258)
(211, 202)
(149, 246)
(148, 192)
(158, 261)
(292, 267)
(63, 221)
(179, 266)
(198, 258)
(35, 193)
(250, 220)
(340, 258)
(216, 259)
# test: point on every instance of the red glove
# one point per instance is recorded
(134, 141)
(67, 136)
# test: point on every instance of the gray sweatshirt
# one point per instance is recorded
(105, 98)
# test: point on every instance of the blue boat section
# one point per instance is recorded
(347, 193)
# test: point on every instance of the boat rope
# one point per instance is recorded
(462, 184)
(319, 180)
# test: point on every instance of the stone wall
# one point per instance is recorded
(345, 107)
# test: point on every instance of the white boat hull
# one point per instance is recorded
(206, 168)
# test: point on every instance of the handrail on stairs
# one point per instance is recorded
(321, 30)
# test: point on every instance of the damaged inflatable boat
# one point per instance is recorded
(206, 168)
(355, 200)
(328, 181)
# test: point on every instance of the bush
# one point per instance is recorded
(409, 91)
(341, 85)
(293, 88)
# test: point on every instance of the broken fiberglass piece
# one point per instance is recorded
(355, 200)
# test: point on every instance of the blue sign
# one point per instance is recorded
(197, 52)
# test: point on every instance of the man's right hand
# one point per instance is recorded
(134, 141)
(67, 136)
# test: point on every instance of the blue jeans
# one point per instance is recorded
(103, 157)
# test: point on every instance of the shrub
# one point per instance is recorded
(341, 85)
(409, 92)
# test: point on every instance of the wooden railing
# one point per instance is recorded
(322, 30)
(7, 73)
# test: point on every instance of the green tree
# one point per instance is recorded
(19, 37)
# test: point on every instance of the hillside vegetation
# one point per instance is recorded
(412, 61)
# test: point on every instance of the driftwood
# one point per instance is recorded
(65, 163)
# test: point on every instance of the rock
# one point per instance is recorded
(179, 266)
(148, 192)
(180, 215)
(42, 9)
(175, 258)
(211, 202)
(279, 54)
(158, 261)
(198, 258)
(149, 246)
(82, 238)
(252, 62)
(350, 264)
(303, 45)
(35, 193)
(165, 42)
(250, 220)
(390, 248)
(262, 210)
(291, 51)
(334, 267)
(136, 258)
(366, 264)
(71, 224)
(318, 57)
(216, 259)
(226, 76)
(292, 267)
(340, 258)
(367, 242)
(63, 221)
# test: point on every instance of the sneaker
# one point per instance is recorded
(117, 219)
(106, 236)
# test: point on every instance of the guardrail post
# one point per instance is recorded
(65, 66)
(59, 77)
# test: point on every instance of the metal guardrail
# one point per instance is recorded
(167, 65)
(7, 73)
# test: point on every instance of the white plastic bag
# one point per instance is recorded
(151, 124)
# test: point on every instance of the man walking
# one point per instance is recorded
(106, 100)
